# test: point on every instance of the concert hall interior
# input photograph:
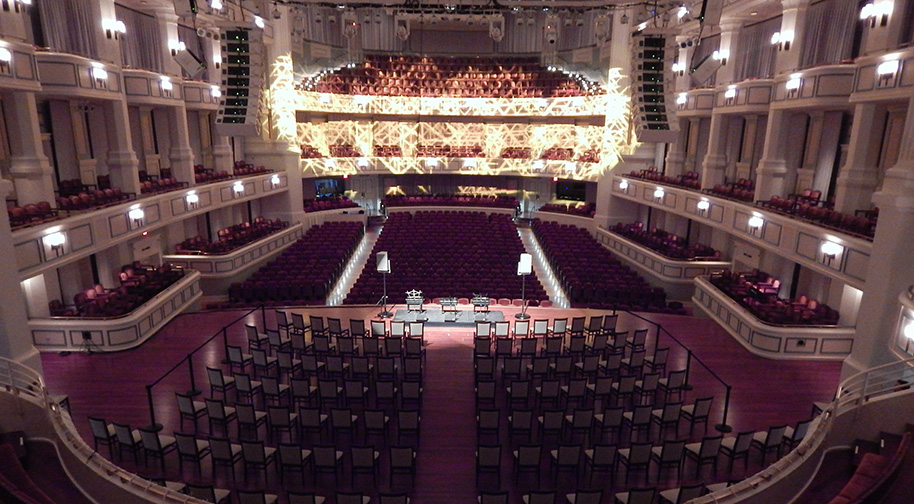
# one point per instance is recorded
(492, 251)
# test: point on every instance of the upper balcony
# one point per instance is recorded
(829, 252)
(70, 76)
(47, 246)
(18, 68)
(143, 87)
(884, 77)
(824, 87)
(695, 103)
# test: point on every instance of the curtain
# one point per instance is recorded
(141, 46)
(194, 44)
(68, 27)
(705, 49)
(828, 36)
(754, 54)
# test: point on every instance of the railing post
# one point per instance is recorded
(225, 360)
(190, 369)
(152, 413)
(722, 426)
(686, 385)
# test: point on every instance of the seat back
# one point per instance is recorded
(187, 445)
(690, 492)
(604, 454)
(378, 329)
(150, 440)
(710, 446)
(253, 452)
(672, 451)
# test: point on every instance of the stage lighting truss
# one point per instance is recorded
(611, 139)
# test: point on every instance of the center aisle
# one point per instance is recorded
(447, 465)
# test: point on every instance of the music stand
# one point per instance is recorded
(384, 269)
(524, 268)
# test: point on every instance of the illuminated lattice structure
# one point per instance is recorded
(601, 123)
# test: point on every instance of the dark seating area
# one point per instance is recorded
(31, 214)
(344, 150)
(161, 185)
(329, 203)
(242, 169)
(203, 175)
(232, 237)
(138, 283)
(558, 154)
(591, 275)
(468, 77)
(388, 151)
(807, 206)
(447, 253)
(741, 190)
(310, 152)
(666, 244)
(93, 199)
(72, 187)
(583, 210)
(450, 200)
(456, 151)
(590, 156)
(516, 153)
(689, 180)
(758, 292)
(305, 272)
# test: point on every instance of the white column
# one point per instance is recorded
(181, 154)
(793, 21)
(123, 166)
(714, 165)
(15, 338)
(676, 155)
(168, 34)
(729, 34)
(30, 168)
(889, 263)
(691, 152)
(747, 151)
(859, 175)
(772, 173)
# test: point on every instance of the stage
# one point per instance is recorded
(441, 317)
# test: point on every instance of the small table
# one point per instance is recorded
(449, 308)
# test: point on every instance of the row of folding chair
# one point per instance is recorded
(581, 496)
(410, 366)
(345, 342)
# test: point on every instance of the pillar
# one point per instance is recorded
(31, 169)
(714, 165)
(729, 34)
(676, 155)
(123, 166)
(793, 21)
(691, 152)
(807, 172)
(747, 151)
(15, 337)
(891, 257)
(859, 175)
(772, 174)
(181, 154)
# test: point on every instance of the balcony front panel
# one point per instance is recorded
(796, 240)
(772, 341)
(698, 103)
(71, 76)
(228, 265)
(58, 334)
(198, 95)
(816, 88)
(20, 73)
(151, 89)
(660, 267)
(751, 96)
(888, 77)
(89, 232)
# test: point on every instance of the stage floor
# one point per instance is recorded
(436, 316)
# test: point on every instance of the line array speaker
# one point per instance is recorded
(242, 81)
(652, 86)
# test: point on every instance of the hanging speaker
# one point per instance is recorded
(525, 265)
(383, 263)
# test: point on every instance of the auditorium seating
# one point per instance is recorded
(310, 152)
(93, 199)
(557, 154)
(741, 190)
(589, 156)
(31, 214)
(468, 77)
(203, 175)
(329, 203)
(585, 210)
(388, 151)
(305, 272)
(160, 185)
(232, 237)
(516, 153)
(664, 243)
(344, 150)
(758, 292)
(450, 200)
(806, 206)
(447, 253)
(242, 169)
(689, 180)
(138, 284)
(456, 151)
(591, 275)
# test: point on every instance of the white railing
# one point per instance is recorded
(26, 384)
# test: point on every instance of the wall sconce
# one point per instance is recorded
(259, 22)
(329, 164)
(431, 162)
(238, 189)
(166, 84)
(871, 11)
(99, 73)
(6, 57)
(136, 216)
(886, 72)
(215, 92)
(538, 165)
(793, 85)
(56, 241)
(703, 206)
(659, 193)
(192, 200)
(469, 163)
(361, 100)
(363, 162)
(678, 68)
(217, 60)
(216, 4)
(721, 55)
(908, 330)
(274, 180)
(681, 100)
(177, 46)
(113, 28)
(782, 39)
(623, 185)
(324, 98)
(730, 94)
(755, 224)
(830, 250)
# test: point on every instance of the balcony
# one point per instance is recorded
(200, 95)
(18, 68)
(772, 341)
(825, 87)
(698, 103)
(801, 242)
(143, 87)
(884, 77)
(746, 97)
(83, 234)
(72, 76)
(72, 334)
